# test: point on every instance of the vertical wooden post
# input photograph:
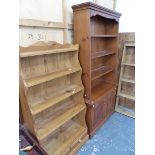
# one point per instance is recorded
(64, 14)
(114, 4)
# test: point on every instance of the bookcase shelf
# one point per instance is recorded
(51, 94)
(99, 90)
(97, 73)
(54, 124)
(101, 54)
(103, 36)
(62, 95)
(50, 76)
(96, 31)
(72, 132)
(52, 49)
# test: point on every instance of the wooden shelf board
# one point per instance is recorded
(24, 53)
(51, 76)
(128, 64)
(100, 90)
(97, 73)
(49, 102)
(101, 54)
(126, 80)
(129, 44)
(125, 111)
(104, 36)
(126, 96)
(54, 124)
(59, 145)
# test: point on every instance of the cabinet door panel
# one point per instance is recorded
(111, 101)
(100, 112)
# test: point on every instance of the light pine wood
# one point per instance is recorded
(59, 121)
(25, 53)
(125, 102)
(65, 93)
(44, 78)
(53, 95)
(73, 133)
(127, 96)
(126, 80)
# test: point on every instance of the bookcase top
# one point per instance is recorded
(96, 7)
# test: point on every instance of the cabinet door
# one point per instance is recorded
(111, 101)
(99, 112)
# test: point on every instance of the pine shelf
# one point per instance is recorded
(127, 96)
(51, 76)
(97, 73)
(128, 64)
(51, 96)
(73, 131)
(49, 102)
(126, 80)
(33, 51)
(101, 54)
(52, 125)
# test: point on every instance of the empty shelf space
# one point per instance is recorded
(54, 124)
(49, 102)
(62, 142)
(128, 64)
(100, 90)
(104, 36)
(126, 96)
(126, 80)
(50, 76)
(101, 54)
(25, 53)
(97, 73)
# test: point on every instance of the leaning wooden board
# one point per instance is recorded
(51, 94)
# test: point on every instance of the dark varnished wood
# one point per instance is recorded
(96, 31)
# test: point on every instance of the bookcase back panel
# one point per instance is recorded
(128, 88)
(32, 66)
(130, 55)
(103, 44)
(102, 26)
(127, 103)
(44, 64)
(109, 78)
(129, 73)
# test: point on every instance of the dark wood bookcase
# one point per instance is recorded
(96, 31)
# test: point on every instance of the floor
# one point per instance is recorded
(115, 137)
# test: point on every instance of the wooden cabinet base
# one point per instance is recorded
(93, 131)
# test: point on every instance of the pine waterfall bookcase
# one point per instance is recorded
(96, 31)
(51, 95)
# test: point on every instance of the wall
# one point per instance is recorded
(50, 20)
(128, 10)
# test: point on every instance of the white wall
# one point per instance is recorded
(48, 10)
(127, 20)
